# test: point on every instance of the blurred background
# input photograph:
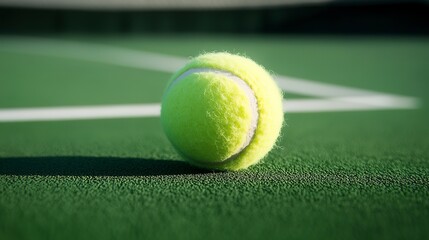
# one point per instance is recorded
(209, 16)
(353, 43)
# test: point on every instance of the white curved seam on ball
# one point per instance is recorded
(247, 90)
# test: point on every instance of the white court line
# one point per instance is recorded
(79, 112)
(93, 52)
(334, 97)
(317, 89)
(153, 110)
(336, 104)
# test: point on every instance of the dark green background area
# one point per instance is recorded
(339, 175)
(358, 17)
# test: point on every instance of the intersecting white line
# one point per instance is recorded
(330, 97)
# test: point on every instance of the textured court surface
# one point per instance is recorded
(334, 175)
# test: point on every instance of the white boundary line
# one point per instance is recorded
(330, 97)
(153, 110)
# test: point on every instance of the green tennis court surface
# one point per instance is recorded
(352, 161)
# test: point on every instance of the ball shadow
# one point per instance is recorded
(93, 166)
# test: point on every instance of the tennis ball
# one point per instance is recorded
(222, 111)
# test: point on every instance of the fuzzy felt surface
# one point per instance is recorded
(205, 115)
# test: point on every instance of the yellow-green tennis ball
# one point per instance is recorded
(222, 111)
